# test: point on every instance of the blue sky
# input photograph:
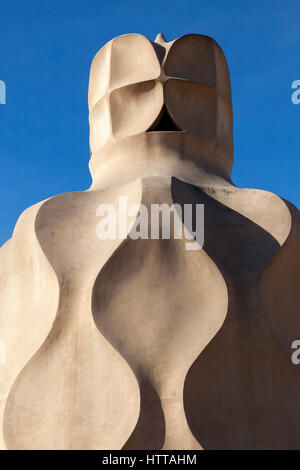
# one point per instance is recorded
(46, 48)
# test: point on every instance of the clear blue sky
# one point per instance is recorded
(46, 48)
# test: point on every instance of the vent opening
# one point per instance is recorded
(164, 123)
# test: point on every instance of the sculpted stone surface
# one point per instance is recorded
(142, 344)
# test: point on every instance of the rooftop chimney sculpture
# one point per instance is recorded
(138, 343)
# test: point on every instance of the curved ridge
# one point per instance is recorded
(28, 273)
(67, 362)
(181, 315)
(242, 404)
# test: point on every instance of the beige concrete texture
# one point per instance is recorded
(142, 344)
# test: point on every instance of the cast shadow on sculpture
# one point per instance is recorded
(241, 249)
(214, 393)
